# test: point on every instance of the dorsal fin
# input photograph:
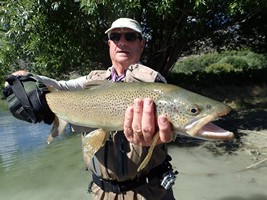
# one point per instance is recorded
(51, 88)
(95, 83)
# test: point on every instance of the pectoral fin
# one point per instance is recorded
(150, 152)
(58, 127)
(93, 141)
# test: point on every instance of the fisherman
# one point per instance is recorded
(114, 166)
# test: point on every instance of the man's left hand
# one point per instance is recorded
(140, 124)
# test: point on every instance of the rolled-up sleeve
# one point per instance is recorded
(73, 84)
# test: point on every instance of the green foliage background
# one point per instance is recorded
(49, 37)
(56, 37)
(228, 67)
(227, 61)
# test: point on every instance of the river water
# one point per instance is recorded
(32, 170)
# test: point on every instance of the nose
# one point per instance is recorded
(122, 40)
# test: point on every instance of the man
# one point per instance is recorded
(114, 166)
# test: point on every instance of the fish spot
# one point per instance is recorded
(208, 106)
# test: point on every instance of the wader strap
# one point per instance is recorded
(123, 186)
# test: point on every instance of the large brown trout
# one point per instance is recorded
(102, 105)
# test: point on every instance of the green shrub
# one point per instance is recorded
(220, 68)
(228, 67)
(187, 66)
(227, 61)
(237, 63)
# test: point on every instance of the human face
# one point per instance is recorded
(124, 52)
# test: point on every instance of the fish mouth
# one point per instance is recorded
(204, 129)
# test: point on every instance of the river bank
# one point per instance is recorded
(234, 170)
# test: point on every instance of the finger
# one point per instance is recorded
(138, 139)
(165, 131)
(128, 119)
(137, 116)
(148, 120)
(20, 73)
(17, 73)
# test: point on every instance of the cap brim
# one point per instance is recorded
(110, 29)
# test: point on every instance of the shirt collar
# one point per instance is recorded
(115, 77)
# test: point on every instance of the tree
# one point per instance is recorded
(48, 36)
(174, 28)
(54, 37)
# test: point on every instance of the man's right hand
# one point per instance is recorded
(18, 73)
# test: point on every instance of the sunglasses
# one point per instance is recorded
(129, 36)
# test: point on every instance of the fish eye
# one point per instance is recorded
(194, 110)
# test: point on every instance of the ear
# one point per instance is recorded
(142, 44)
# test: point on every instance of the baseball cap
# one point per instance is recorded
(125, 23)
